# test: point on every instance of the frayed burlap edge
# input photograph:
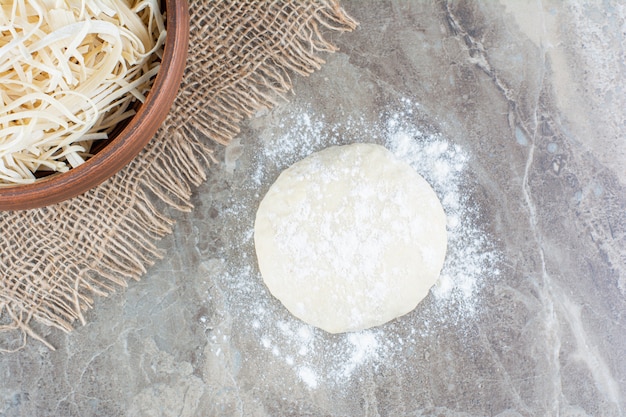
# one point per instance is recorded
(62, 272)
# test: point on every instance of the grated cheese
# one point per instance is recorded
(69, 73)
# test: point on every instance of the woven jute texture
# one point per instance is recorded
(55, 260)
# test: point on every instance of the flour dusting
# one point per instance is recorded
(308, 376)
(318, 359)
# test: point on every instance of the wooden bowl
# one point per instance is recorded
(121, 149)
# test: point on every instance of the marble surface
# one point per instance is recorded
(516, 112)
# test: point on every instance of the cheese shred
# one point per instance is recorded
(70, 71)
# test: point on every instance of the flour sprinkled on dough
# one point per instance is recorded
(285, 342)
(350, 238)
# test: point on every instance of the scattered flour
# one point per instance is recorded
(318, 358)
(364, 348)
(308, 376)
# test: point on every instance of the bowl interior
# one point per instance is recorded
(127, 139)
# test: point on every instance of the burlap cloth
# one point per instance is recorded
(54, 260)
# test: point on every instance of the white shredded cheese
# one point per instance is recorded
(69, 73)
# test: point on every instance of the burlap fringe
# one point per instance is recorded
(244, 90)
(177, 159)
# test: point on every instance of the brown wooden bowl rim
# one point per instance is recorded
(130, 141)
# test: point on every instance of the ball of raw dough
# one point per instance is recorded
(350, 238)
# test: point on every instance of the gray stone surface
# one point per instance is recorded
(530, 99)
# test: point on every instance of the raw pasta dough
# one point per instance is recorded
(350, 238)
